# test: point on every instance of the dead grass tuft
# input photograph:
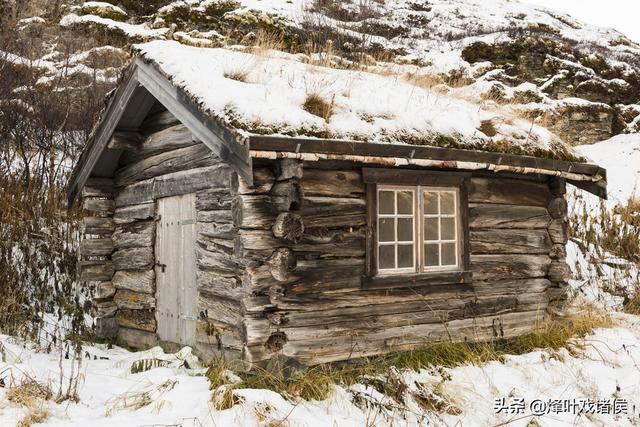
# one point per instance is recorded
(318, 106)
(31, 395)
(238, 75)
(488, 128)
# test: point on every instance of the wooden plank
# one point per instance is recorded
(96, 247)
(195, 156)
(508, 191)
(263, 180)
(124, 140)
(510, 241)
(174, 184)
(559, 230)
(311, 145)
(133, 258)
(216, 285)
(499, 267)
(143, 320)
(134, 300)
(501, 216)
(155, 122)
(136, 235)
(333, 212)
(213, 199)
(97, 225)
(416, 280)
(98, 187)
(137, 281)
(332, 183)
(168, 139)
(510, 287)
(132, 213)
(96, 271)
(97, 206)
(137, 339)
(399, 176)
(222, 141)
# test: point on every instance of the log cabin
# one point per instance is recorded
(222, 209)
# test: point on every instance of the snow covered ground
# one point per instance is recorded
(601, 368)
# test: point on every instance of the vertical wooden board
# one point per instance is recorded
(176, 285)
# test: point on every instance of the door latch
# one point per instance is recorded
(162, 266)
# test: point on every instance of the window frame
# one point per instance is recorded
(377, 179)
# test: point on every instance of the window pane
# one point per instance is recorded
(448, 228)
(387, 257)
(448, 254)
(431, 229)
(431, 255)
(405, 256)
(430, 202)
(405, 202)
(447, 203)
(405, 229)
(386, 202)
(386, 232)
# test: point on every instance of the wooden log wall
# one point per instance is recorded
(95, 264)
(301, 236)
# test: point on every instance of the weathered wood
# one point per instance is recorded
(96, 247)
(191, 157)
(143, 320)
(168, 139)
(104, 291)
(132, 213)
(103, 308)
(133, 259)
(558, 251)
(508, 191)
(559, 231)
(288, 226)
(512, 241)
(174, 184)
(510, 287)
(416, 280)
(136, 281)
(218, 336)
(289, 168)
(332, 212)
(124, 140)
(211, 259)
(220, 309)
(96, 206)
(213, 199)
(135, 235)
(97, 226)
(499, 267)
(263, 180)
(96, 271)
(329, 244)
(214, 285)
(158, 121)
(558, 186)
(559, 271)
(281, 263)
(397, 176)
(332, 183)
(558, 207)
(137, 339)
(287, 195)
(507, 216)
(106, 328)
(221, 229)
(98, 187)
(253, 211)
(134, 300)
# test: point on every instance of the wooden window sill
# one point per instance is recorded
(416, 279)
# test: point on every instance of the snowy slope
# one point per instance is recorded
(110, 395)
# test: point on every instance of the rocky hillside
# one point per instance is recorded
(580, 81)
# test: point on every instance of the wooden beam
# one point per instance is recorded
(214, 135)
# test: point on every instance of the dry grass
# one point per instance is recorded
(239, 75)
(317, 382)
(318, 106)
(31, 395)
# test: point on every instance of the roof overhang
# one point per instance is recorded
(142, 85)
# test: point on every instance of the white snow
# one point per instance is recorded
(602, 366)
(365, 106)
(132, 30)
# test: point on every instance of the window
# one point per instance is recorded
(417, 229)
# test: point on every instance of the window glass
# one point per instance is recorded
(429, 224)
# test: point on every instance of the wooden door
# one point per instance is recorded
(176, 292)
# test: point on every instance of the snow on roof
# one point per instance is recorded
(140, 31)
(266, 94)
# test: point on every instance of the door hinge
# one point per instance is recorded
(187, 317)
(187, 222)
(162, 266)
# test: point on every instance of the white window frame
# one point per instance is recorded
(418, 237)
